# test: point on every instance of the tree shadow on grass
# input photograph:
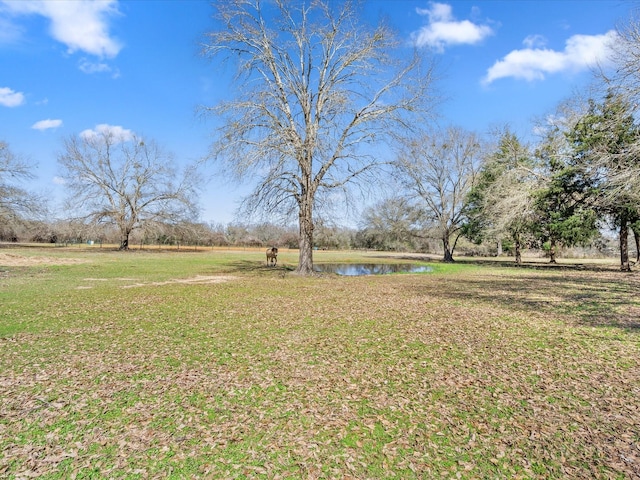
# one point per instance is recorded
(542, 264)
(260, 269)
(504, 262)
(597, 297)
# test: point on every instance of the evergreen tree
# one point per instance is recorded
(564, 216)
(500, 204)
(603, 141)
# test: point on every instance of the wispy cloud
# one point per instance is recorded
(9, 32)
(90, 67)
(9, 98)
(581, 52)
(93, 67)
(81, 25)
(443, 30)
(535, 41)
(46, 124)
(117, 133)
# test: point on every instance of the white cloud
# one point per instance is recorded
(9, 98)
(59, 180)
(581, 52)
(117, 133)
(534, 41)
(444, 30)
(46, 124)
(79, 24)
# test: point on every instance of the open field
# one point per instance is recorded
(211, 365)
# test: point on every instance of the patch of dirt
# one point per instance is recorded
(13, 260)
(197, 280)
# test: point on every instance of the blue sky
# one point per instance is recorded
(71, 66)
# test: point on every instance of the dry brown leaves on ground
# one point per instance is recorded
(480, 374)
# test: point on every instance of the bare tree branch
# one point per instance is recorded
(16, 202)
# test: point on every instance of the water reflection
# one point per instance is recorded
(357, 269)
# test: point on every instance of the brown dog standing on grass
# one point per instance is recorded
(272, 256)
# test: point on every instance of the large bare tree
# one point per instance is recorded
(125, 180)
(439, 169)
(320, 96)
(16, 202)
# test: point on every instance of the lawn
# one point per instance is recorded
(208, 364)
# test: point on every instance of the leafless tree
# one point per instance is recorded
(16, 202)
(626, 57)
(392, 223)
(126, 181)
(439, 169)
(319, 95)
(623, 81)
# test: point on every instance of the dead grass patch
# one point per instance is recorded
(197, 280)
(15, 260)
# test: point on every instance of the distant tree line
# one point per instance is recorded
(370, 235)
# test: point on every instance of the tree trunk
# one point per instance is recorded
(624, 246)
(499, 248)
(552, 251)
(124, 241)
(305, 259)
(636, 237)
(517, 249)
(448, 254)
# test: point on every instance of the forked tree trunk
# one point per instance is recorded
(305, 259)
(448, 254)
(124, 241)
(625, 266)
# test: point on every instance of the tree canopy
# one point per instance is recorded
(500, 204)
(439, 169)
(125, 180)
(604, 142)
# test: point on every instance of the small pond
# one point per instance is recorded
(357, 269)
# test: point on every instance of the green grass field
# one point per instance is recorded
(155, 364)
